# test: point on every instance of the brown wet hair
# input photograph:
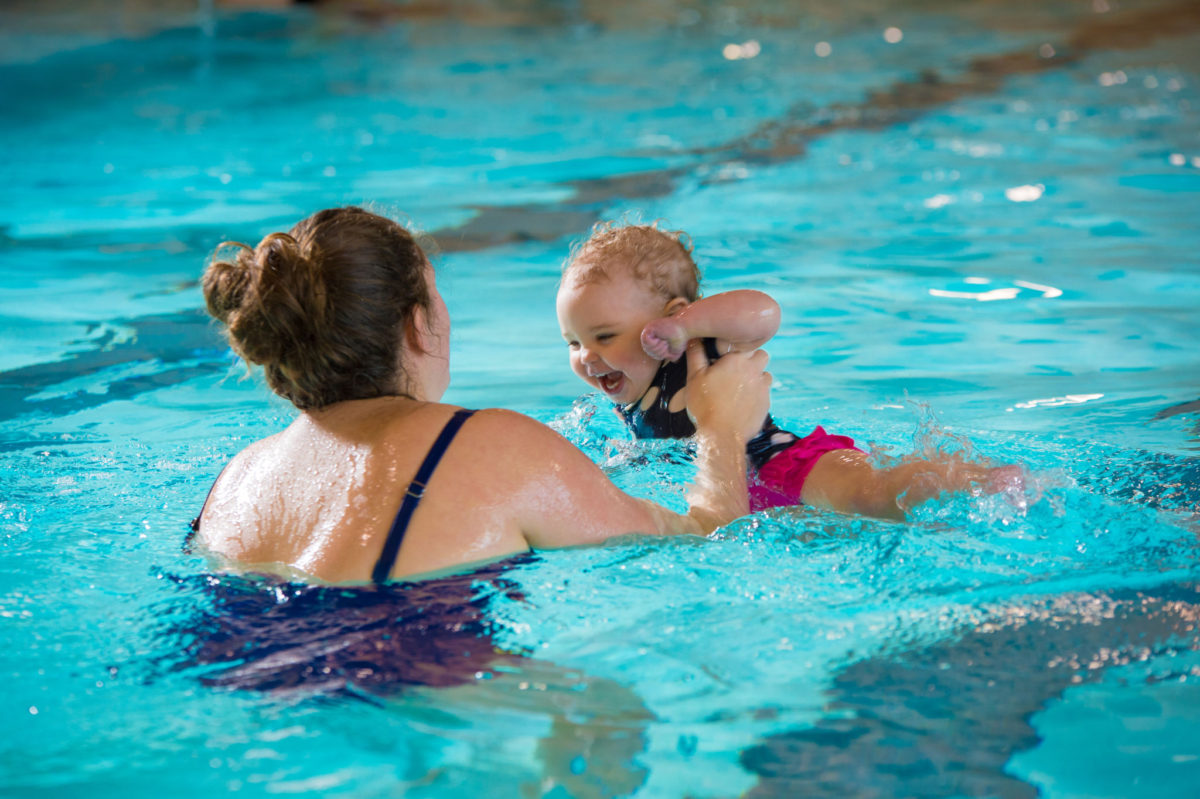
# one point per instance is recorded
(659, 259)
(322, 308)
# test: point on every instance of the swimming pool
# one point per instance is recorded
(979, 221)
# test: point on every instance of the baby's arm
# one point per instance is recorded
(843, 480)
(742, 320)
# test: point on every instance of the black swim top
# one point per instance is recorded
(659, 421)
(412, 497)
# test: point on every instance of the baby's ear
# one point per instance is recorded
(675, 306)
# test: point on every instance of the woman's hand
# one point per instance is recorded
(732, 394)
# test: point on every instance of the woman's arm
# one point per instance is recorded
(742, 320)
(580, 505)
(727, 401)
(844, 481)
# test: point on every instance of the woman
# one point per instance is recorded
(376, 478)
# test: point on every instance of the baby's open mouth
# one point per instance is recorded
(610, 382)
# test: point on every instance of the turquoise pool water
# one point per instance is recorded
(980, 231)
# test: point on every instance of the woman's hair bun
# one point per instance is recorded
(268, 297)
(225, 281)
(320, 307)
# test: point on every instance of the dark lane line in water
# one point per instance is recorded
(905, 101)
(183, 346)
(943, 721)
(1176, 410)
(786, 139)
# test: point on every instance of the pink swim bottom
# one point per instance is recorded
(781, 480)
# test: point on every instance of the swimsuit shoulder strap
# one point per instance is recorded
(412, 497)
(195, 523)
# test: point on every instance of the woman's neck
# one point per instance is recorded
(355, 411)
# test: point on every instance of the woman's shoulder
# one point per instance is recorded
(251, 455)
(524, 445)
(503, 417)
(513, 427)
(484, 424)
(434, 414)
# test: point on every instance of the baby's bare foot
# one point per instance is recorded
(1010, 478)
(664, 339)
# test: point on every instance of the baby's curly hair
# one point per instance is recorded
(658, 259)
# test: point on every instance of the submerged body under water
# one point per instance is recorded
(259, 634)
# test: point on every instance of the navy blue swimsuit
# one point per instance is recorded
(659, 421)
(412, 497)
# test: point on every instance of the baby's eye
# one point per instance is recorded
(605, 336)
(572, 345)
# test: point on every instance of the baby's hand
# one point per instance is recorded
(664, 339)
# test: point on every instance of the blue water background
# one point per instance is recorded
(1070, 193)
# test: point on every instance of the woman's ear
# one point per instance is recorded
(675, 306)
(415, 327)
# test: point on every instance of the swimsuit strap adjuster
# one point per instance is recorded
(413, 494)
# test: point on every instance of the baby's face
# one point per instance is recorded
(602, 324)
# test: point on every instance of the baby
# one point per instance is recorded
(628, 305)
